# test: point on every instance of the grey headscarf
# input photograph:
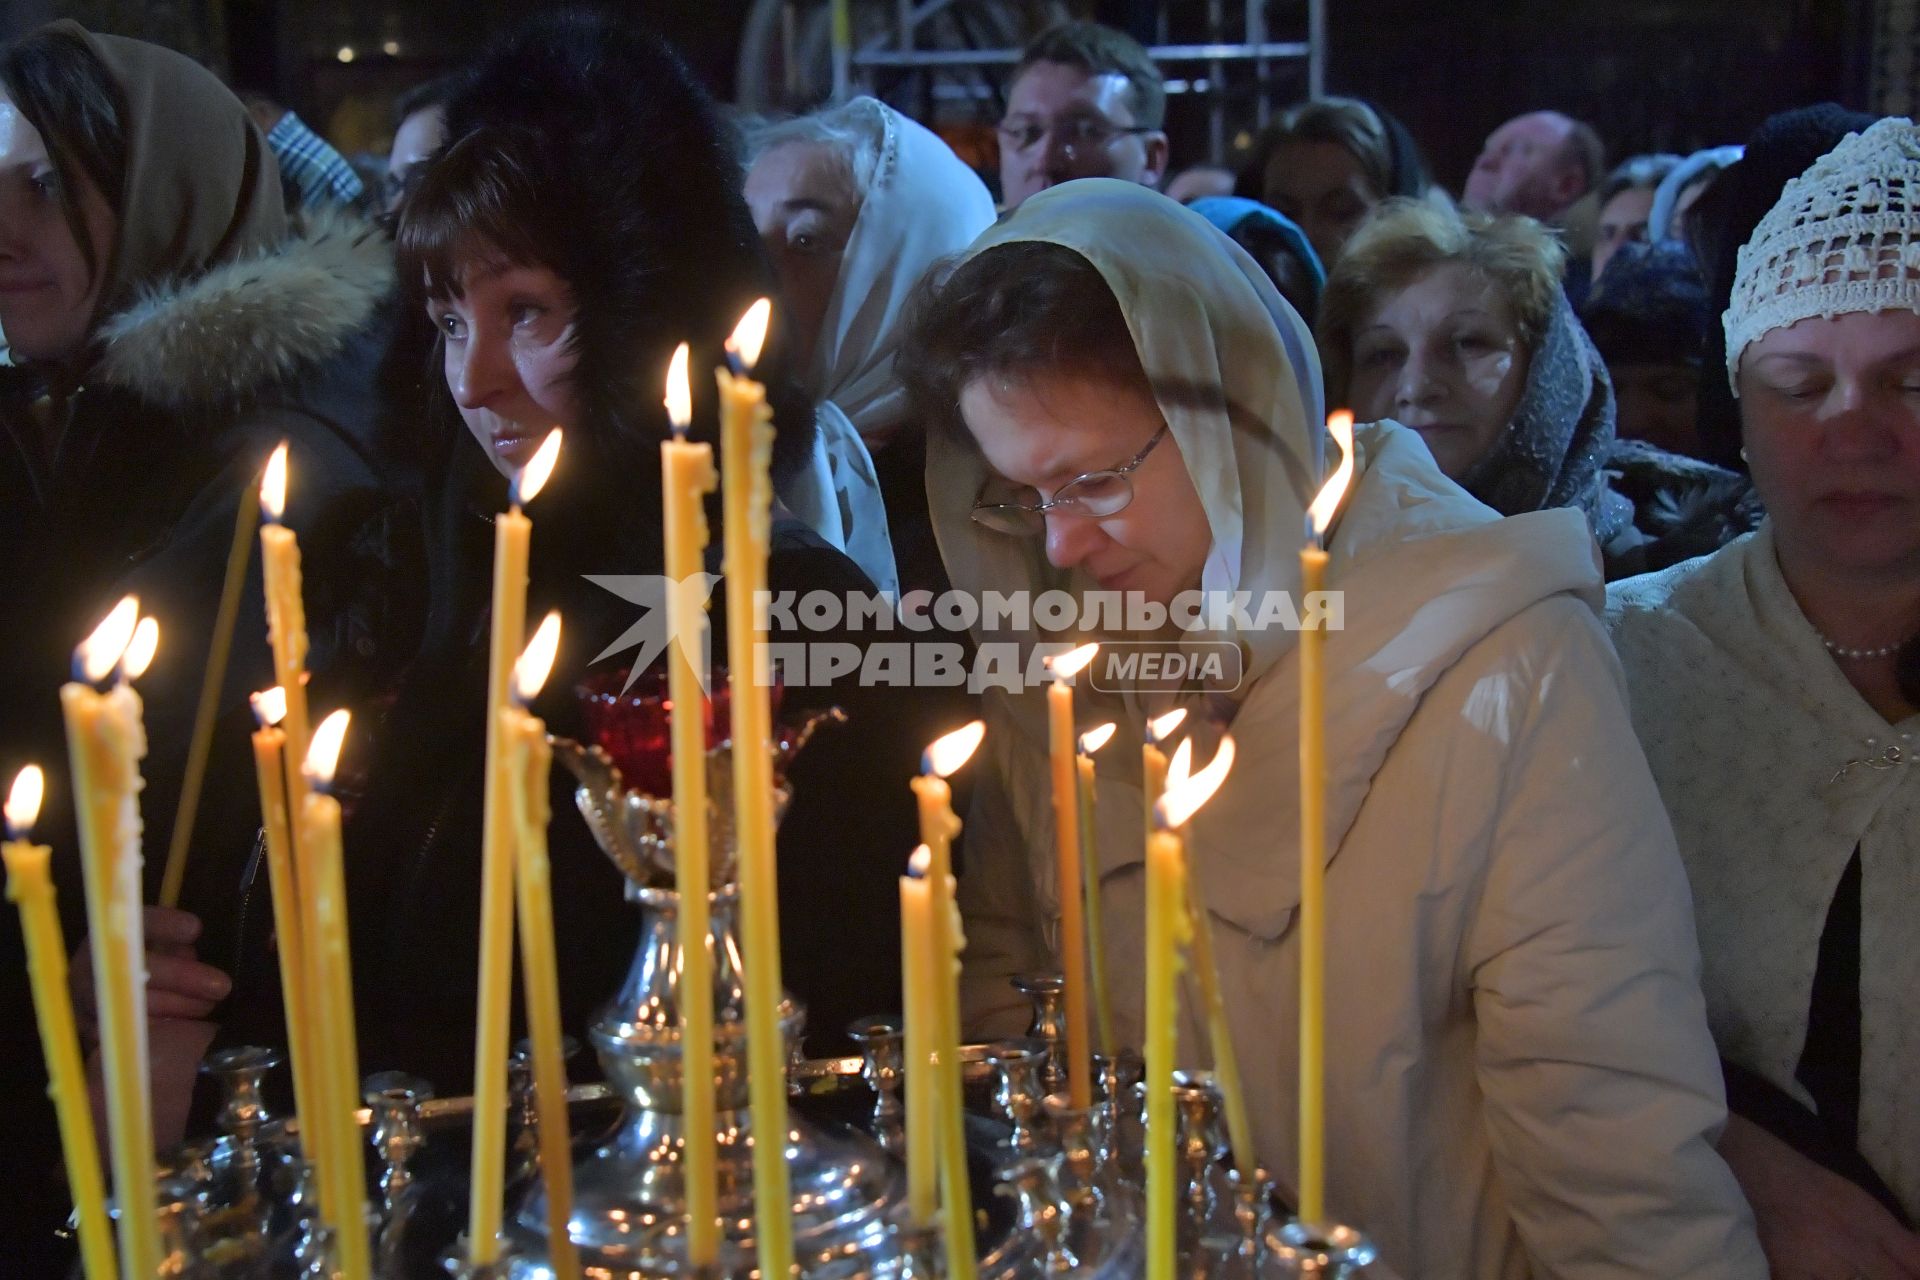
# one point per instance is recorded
(1553, 452)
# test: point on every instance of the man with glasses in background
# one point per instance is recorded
(1085, 102)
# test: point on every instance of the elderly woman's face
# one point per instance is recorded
(804, 205)
(1830, 412)
(47, 295)
(508, 356)
(1444, 356)
(1040, 432)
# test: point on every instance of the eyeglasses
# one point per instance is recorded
(1096, 494)
(1077, 134)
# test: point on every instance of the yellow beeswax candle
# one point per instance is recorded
(270, 772)
(530, 764)
(30, 887)
(687, 475)
(105, 742)
(919, 940)
(1153, 759)
(1313, 839)
(331, 1003)
(1068, 878)
(513, 535)
(1091, 741)
(938, 827)
(287, 634)
(1169, 931)
(746, 434)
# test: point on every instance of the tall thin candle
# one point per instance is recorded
(1313, 837)
(1091, 741)
(746, 433)
(105, 742)
(512, 536)
(919, 940)
(687, 475)
(530, 764)
(30, 887)
(1068, 876)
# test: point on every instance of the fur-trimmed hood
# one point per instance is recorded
(227, 335)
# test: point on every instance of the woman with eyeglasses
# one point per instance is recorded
(1520, 1080)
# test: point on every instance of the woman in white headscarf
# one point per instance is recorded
(1520, 1080)
(1776, 688)
(854, 204)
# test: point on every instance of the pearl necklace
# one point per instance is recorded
(1859, 655)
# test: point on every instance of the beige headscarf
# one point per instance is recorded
(1234, 372)
(201, 187)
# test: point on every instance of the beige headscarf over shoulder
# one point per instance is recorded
(201, 186)
(1233, 370)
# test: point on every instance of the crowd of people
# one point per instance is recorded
(1623, 804)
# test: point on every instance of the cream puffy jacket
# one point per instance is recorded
(1520, 1077)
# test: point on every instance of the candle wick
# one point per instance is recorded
(734, 366)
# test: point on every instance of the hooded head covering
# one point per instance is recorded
(201, 186)
(1234, 373)
(1701, 164)
(1553, 452)
(1649, 306)
(1235, 215)
(922, 205)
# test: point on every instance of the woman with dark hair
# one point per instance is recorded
(1520, 1080)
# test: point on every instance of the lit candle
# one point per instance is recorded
(1168, 930)
(287, 633)
(1068, 876)
(270, 771)
(746, 433)
(330, 1000)
(1153, 759)
(919, 957)
(687, 475)
(512, 534)
(105, 741)
(938, 826)
(30, 887)
(530, 764)
(1313, 837)
(1091, 741)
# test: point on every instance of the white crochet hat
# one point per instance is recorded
(1843, 237)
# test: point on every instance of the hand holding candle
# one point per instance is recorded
(1313, 838)
(105, 741)
(31, 888)
(1067, 880)
(513, 534)
(530, 761)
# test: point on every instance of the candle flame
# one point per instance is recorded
(323, 753)
(1184, 797)
(1094, 739)
(533, 477)
(948, 753)
(679, 390)
(1160, 727)
(750, 335)
(531, 671)
(140, 650)
(101, 651)
(1327, 501)
(1069, 664)
(273, 485)
(269, 706)
(921, 863)
(23, 801)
